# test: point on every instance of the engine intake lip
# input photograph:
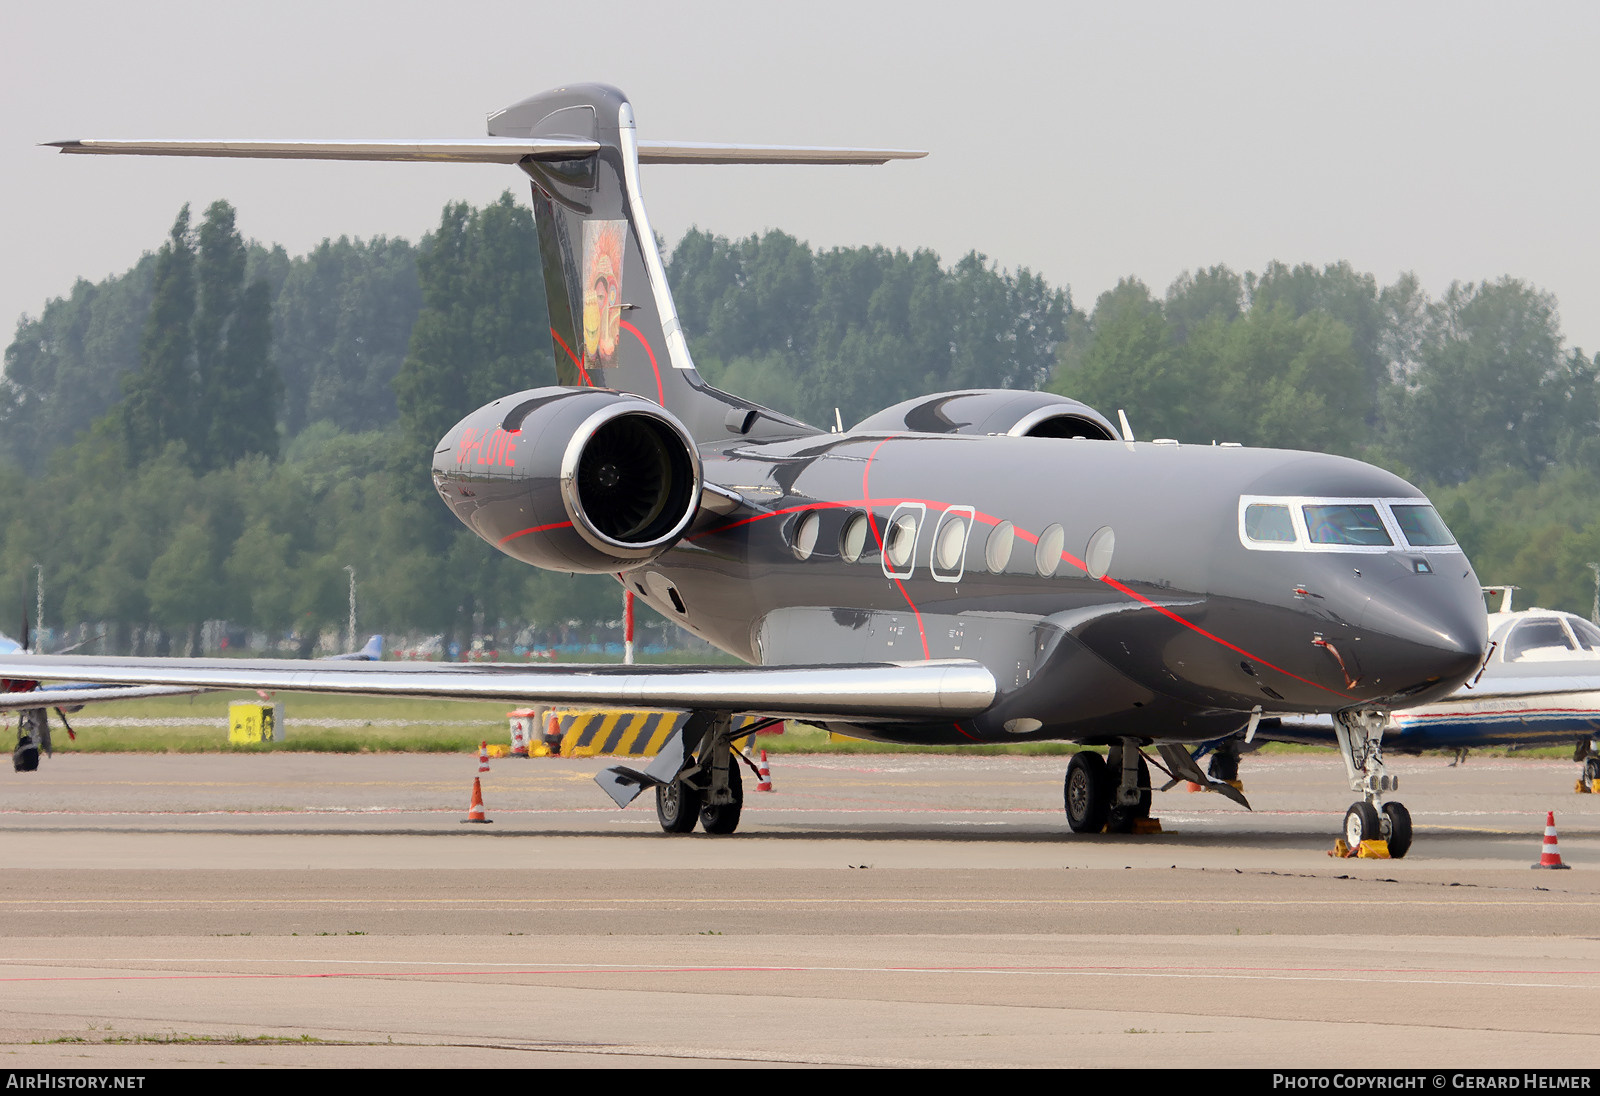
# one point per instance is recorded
(606, 455)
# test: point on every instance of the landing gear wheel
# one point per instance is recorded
(1120, 819)
(1087, 793)
(25, 758)
(1361, 824)
(724, 817)
(678, 806)
(1396, 828)
(1224, 765)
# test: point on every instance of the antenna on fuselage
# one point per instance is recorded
(1122, 420)
(838, 423)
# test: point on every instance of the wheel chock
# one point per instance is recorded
(1582, 787)
(1376, 849)
(1340, 850)
(1147, 825)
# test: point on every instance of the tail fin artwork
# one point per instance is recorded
(612, 320)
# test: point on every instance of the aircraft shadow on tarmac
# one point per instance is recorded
(1489, 843)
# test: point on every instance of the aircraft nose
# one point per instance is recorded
(1432, 635)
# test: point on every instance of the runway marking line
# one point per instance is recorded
(1470, 978)
(1547, 897)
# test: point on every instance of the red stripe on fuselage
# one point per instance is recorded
(582, 372)
(873, 522)
(867, 502)
(535, 529)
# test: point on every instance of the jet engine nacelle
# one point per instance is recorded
(993, 411)
(572, 479)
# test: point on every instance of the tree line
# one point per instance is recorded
(219, 432)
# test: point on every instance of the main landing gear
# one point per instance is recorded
(1110, 794)
(33, 731)
(1360, 734)
(1587, 752)
(708, 789)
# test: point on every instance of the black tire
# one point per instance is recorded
(724, 817)
(1086, 793)
(1224, 765)
(25, 758)
(678, 806)
(1361, 823)
(1397, 823)
(1121, 819)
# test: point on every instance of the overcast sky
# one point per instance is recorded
(1087, 142)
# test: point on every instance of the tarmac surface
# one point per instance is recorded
(884, 910)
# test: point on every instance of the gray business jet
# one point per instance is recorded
(968, 567)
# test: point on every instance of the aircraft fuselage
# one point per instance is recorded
(1144, 613)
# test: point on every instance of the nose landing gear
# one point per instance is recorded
(1360, 734)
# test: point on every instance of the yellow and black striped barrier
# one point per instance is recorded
(619, 732)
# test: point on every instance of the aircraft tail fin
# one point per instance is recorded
(613, 323)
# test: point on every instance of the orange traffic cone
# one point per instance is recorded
(475, 812)
(1550, 855)
(764, 784)
(483, 756)
(552, 736)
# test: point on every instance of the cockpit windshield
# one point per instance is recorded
(1276, 524)
(1349, 523)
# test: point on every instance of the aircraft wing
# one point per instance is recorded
(890, 690)
(75, 696)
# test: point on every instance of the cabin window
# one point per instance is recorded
(853, 537)
(805, 534)
(900, 539)
(1421, 525)
(997, 552)
(1269, 523)
(1047, 556)
(950, 544)
(1346, 523)
(1098, 552)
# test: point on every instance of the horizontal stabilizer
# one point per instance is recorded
(471, 150)
(483, 150)
(692, 152)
